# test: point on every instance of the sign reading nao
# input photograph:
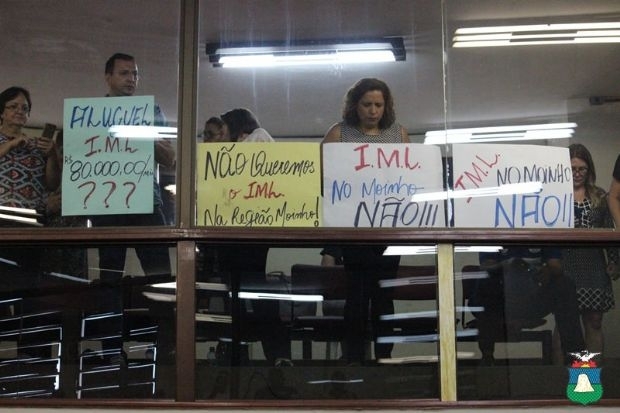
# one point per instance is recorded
(371, 185)
(502, 174)
(106, 173)
(255, 184)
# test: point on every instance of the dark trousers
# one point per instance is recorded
(155, 260)
(364, 267)
(558, 297)
(258, 318)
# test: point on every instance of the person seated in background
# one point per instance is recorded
(214, 130)
(241, 125)
(525, 285)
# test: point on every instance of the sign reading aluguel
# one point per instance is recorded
(105, 173)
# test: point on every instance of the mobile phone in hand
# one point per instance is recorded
(48, 130)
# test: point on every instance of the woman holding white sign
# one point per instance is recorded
(368, 116)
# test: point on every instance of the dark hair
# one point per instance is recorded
(355, 94)
(577, 150)
(12, 93)
(215, 121)
(109, 64)
(239, 121)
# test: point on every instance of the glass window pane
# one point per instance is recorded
(61, 54)
(74, 327)
(300, 102)
(343, 321)
(530, 312)
(521, 89)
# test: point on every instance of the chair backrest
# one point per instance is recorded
(414, 282)
(329, 281)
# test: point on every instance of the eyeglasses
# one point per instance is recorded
(16, 106)
(582, 170)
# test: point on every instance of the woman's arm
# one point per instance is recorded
(404, 134)
(333, 134)
(7, 146)
(52, 162)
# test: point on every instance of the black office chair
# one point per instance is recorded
(529, 332)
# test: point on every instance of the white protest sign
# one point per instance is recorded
(499, 166)
(371, 185)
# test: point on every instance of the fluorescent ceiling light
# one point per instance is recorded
(423, 337)
(425, 358)
(501, 133)
(507, 189)
(430, 249)
(537, 34)
(21, 215)
(140, 131)
(327, 381)
(281, 297)
(22, 220)
(306, 53)
(246, 294)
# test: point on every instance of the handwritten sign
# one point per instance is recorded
(371, 185)
(496, 165)
(104, 173)
(259, 184)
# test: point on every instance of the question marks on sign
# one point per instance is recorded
(112, 185)
(131, 191)
(92, 189)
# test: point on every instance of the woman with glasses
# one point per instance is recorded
(591, 268)
(29, 166)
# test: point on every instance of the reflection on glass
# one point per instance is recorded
(306, 53)
(67, 332)
(537, 34)
(521, 308)
(279, 312)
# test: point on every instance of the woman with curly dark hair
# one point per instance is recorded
(368, 116)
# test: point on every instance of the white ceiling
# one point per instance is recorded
(57, 49)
